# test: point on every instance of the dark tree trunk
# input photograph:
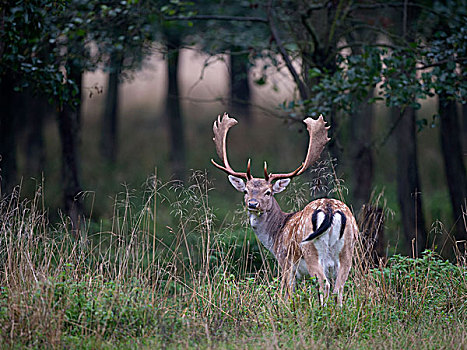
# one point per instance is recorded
(69, 129)
(334, 146)
(361, 132)
(464, 128)
(109, 126)
(408, 182)
(35, 146)
(371, 224)
(8, 106)
(361, 128)
(451, 146)
(174, 115)
(239, 85)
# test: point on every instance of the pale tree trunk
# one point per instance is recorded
(174, 114)
(239, 86)
(408, 182)
(451, 146)
(109, 126)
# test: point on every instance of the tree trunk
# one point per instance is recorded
(8, 104)
(69, 129)
(175, 119)
(451, 146)
(408, 182)
(371, 224)
(35, 146)
(361, 129)
(109, 126)
(334, 146)
(361, 132)
(239, 86)
(464, 128)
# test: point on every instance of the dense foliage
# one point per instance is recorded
(29, 49)
(403, 72)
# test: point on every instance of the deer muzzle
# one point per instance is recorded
(253, 204)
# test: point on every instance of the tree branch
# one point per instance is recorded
(316, 7)
(215, 17)
(364, 43)
(310, 31)
(440, 63)
(334, 24)
(275, 35)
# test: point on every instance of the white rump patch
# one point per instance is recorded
(329, 245)
(319, 219)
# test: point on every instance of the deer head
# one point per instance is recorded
(259, 192)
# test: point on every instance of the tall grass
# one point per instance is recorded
(197, 281)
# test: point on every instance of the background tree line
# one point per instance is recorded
(343, 56)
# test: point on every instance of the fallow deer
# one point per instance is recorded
(316, 241)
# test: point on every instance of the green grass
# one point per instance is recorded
(173, 275)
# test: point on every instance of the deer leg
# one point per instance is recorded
(340, 281)
(324, 286)
(288, 279)
(316, 270)
(345, 263)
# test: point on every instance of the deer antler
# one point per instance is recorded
(318, 139)
(220, 129)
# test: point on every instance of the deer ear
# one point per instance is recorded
(237, 183)
(280, 185)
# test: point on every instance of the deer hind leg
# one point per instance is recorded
(342, 275)
(345, 263)
(316, 270)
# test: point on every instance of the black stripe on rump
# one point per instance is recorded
(314, 218)
(343, 223)
(324, 225)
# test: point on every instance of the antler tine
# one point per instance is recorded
(266, 175)
(318, 138)
(220, 128)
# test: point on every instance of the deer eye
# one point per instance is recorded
(268, 193)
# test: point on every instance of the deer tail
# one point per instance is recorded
(323, 227)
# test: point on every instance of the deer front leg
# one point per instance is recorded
(288, 280)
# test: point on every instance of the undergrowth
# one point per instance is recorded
(196, 283)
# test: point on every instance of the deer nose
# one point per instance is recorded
(253, 204)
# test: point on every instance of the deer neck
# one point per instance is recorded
(268, 224)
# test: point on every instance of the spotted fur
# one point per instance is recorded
(316, 241)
